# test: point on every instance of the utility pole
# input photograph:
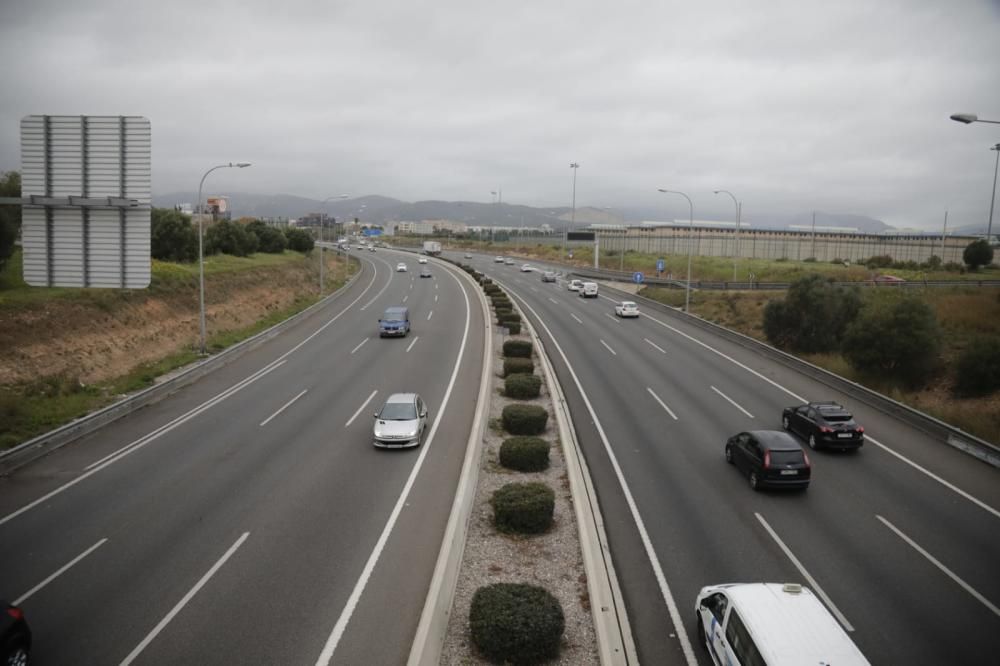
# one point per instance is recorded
(574, 166)
(944, 232)
(814, 236)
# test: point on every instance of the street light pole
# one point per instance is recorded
(322, 225)
(989, 227)
(736, 239)
(201, 252)
(572, 220)
(687, 295)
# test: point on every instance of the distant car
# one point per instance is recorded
(400, 422)
(627, 309)
(770, 458)
(889, 279)
(401, 267)
(425, 272)
(509, 262)
(371, 248)
(824, 425)
(497, 260)
(548, 276)
(588, 290)
(575, 285)
(15, 636)
(526, 268)
(395, 321)
(422, 260)
(468, 256)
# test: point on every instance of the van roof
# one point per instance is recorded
(792, 627)
(396, 310)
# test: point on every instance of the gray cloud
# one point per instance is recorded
(793, 106)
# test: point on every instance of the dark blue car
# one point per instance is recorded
(395, 322)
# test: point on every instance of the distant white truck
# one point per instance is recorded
(432, 248)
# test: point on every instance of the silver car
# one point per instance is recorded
(401, 421)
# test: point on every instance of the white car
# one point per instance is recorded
(401, 267)
(575, 285)
(509, 262)
(526, 268)
(588, 290)
(400, 422)
(468, 256)
(627, 309)
(422, 260)
(497, 260)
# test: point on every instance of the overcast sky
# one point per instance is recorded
(840, 106)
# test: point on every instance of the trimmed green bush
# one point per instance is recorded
(522, 386)
(516, 623)
(523, 508)
(525, 454)
(517, 348)
(513, 327)
(500, 299)
(512, 316)
(520, 419)
(512, 366)
(485, 281)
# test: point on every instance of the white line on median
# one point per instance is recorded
(533, 289)
(360, 344)
(554, 301)
(612, 318)
(412, 343)
(24, 597)
(655, 346)
(613, 352)
(183, 602)
(662, 404)
(933, 560)
(405, 298)
(732, 402)
(435, 298)
(805, 574)
(578, 320)
(363, 405)
(430, 314)
(283, 408)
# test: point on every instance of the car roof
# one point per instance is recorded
(776, 440)
(792, 627)
(628, 302)
(396, 309)
(401, 397)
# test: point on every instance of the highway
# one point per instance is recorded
(248, 518)
(901, 539)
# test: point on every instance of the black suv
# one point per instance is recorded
(824, 424)
(770, 458)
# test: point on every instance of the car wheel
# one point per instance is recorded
(784, 422)
(812, 442)
(18, 656)
(729, 454)
(754, 481)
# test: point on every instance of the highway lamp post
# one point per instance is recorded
(687, 294)
(201, 252)
(736, 238)
(968, 118)
(322, 225)
(572, 218)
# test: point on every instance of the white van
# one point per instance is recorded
(769, 623)
(588, 290)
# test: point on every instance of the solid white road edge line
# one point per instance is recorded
(429, 637)
(805, 574)
(933, 560)
(731, 401)
(655, 346)
(283, 407)
(613, 352)
(410, 346)
(183, 602)
(360, 344)
(675, 616)
(662, 404)
(363, 405)
(578, 320)
(382, 290)
(345, 616)
(27, 595)
(900, 456)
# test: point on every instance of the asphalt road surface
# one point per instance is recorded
(248, 519)
(902, 538)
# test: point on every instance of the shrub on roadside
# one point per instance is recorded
(299, 240)
(977, 371)
(977, 253)
(521, 419)
(898, 339)
(522, 386)
(523, 508)
(813, 316)
(525, 454)
(513, 366)
(516, 623)
(517, 348)
(513, 327)
(510, 316)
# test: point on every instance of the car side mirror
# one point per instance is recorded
(380, 321)
(375, 415)
(423, 414)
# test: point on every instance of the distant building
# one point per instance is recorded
(430, 227)
(218, 208)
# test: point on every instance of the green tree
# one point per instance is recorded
(977, 253)
(10, 216)
(269, 238)
(299, 240)
(813, 316)
(897, 338)
(977, 371)
(172, 236)
(229, 238)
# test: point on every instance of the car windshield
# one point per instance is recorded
(398, 411)
(786, 457)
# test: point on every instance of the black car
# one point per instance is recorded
(770, 458)
(15, 637)
(824, 424)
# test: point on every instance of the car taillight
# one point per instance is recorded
(805, 457)
(861, 429)
(15, 612)
(767, 459)
(825, 429)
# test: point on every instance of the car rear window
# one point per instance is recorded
(786, 457)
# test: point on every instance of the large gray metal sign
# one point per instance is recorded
(85, 184)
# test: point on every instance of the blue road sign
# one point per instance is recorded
(637, 277)
(660, 265)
